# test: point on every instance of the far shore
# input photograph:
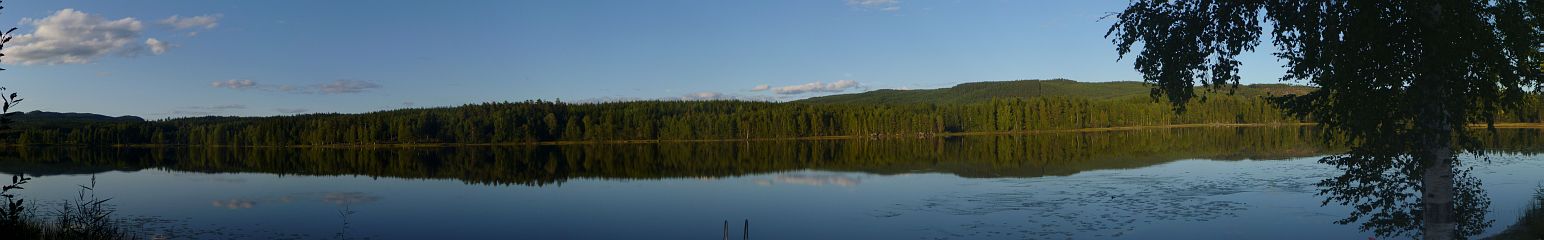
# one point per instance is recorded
(839, 137)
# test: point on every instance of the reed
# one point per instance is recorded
(85, 217)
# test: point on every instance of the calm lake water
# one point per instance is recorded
(1243, 183)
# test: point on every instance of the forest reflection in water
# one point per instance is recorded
(980, 156)
(891, 187)
(1048, 154)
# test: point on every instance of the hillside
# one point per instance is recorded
(981, 108)
(986, 91)
(55, 119)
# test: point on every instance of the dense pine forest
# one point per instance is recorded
(888, 113)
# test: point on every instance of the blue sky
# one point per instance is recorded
(260, 58)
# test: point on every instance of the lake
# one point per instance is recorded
(1230, 183)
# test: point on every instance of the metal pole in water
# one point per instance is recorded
(747, 230)
(726, 229)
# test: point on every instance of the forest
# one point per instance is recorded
(538, 121)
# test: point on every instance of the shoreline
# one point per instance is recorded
(837, 137)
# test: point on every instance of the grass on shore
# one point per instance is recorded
(1531, 225)
(86, 217)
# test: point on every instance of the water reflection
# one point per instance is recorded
(345, 198)
(233, 204)
(1531, 224)
(335, 198)
(1068, 185)
(813, 179)
(1054, 154)
(1114, 204)
(215, 178)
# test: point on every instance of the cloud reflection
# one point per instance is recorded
(812, 180)
(234, 204)
(338, 198)
(349, 198)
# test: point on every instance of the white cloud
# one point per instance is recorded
(180, 23)
(873, 3)
(759, 88)
(709, 95)
(73, 37)
(234, 84)
(838, 86)
(704, 96)
(157, 46)
(335, 87)
(881, 5)
(221, 107)
(608, 99)
(186, 113)
(291, 110)
(203, 110)
(346, 86)
(289, 88)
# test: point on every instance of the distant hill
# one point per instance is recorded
(985, 91)
(41, 118)
(873, 115)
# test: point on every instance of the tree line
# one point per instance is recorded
(547, 121)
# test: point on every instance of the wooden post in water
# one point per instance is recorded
(726, 229)
(747, 230)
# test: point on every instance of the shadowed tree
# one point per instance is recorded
(7, 101)
(1397, 81)
(11, 213)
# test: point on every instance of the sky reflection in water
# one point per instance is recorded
(946, 189)
(1221, 199)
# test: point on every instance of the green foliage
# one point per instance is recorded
(13, 216)
(543, 121)
(540, 121)
(86, 217)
